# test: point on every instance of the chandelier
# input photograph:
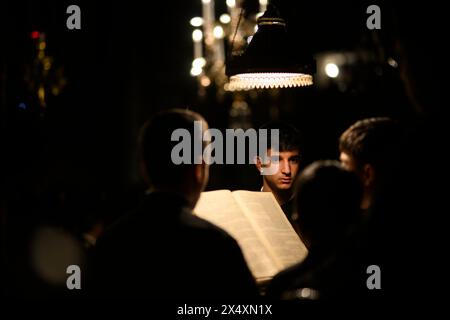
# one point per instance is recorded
(212, 36)
(268, 61)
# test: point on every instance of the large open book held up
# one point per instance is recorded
(255, 219)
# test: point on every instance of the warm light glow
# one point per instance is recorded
(196, 21)
(55, 91)
(231, 3)
(196, 71)
(263, 2)
(225, 18)
(199, 63)
(392, 63)
(41, 93)
(206, 1)
(247, 81)
(259, 15)
(305, 293)
(52, 250)
(47, 64)
(332, 70)
(204, 81)
(42, 46)
(218, 32)
(197, 35)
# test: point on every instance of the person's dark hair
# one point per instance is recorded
(290, 137)
(156, 146)
(371, 141)
(327, 201)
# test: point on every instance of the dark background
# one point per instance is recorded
(75, 161)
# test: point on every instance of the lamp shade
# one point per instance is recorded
(270, 60)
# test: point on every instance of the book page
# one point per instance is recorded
(220, 208)
(263, 210)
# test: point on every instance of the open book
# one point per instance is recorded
(255, 219)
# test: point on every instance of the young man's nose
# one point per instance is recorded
(285, 167)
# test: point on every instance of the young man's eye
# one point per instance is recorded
(295, 160)
(275, 160)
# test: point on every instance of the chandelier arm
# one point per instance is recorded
(235, 32)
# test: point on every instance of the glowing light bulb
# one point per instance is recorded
(196, 21)
(199, 62)
(197, 35)
(196, 71)
(218, 32)
(231, 3)
(225, 18)
(332, 70)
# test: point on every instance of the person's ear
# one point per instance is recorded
(368, 175)
(198, 173)
(258, 163)
(201, 174)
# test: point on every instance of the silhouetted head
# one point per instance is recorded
(370, 148)
(327, 203)
(157, 153)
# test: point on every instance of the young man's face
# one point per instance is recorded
(285, 170)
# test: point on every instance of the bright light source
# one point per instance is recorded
(392, 63)
(196, 71)
(256, 28)
(305, 293)
(332, 70)
(249, 39)
(218, 32)
(259, 15)
(196, 21)
(225, 18)
(199, 63)
(263, 2)
(204, 81)
(247, 81)
(206, 1)
(197, 35)
(231, 3)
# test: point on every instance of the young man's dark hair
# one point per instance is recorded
(290, 137)
(370, 141)
(371, 148)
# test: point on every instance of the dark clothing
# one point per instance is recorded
(162, 251)
(330, 274)
(287, 208)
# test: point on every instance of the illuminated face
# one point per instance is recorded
(285, 169)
